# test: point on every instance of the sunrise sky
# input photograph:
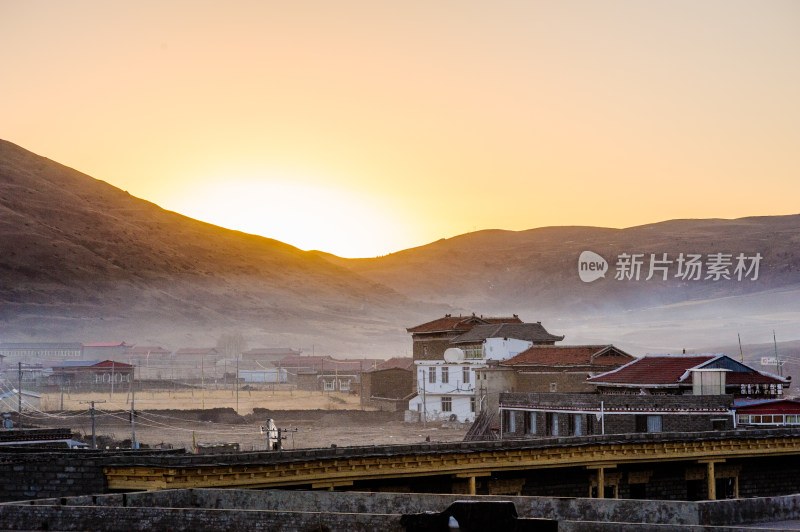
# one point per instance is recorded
(365, 127)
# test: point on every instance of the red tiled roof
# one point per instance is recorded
(530, 332)
(112, 363)
(653, 370)
(756, 377)
(570, 355)
(397, 362)
(459, 323)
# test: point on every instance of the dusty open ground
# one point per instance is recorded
(191, 399)
(314, 419)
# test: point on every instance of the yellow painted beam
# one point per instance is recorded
(464, 464)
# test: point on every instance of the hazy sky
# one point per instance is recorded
(364, 127)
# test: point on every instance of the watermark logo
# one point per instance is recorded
(663, 266)
(591, 266)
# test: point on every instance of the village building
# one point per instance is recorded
(92, 373)
(690, 374)
(106, 350)
(327, 374)
(263, 376)
(200, 363)
(537, 415)
(295, 362)
(767, 413)
(387, 386)
(431, 339)
(446, 387)
(28, 353)
(146, 355)
(546, 368)
(266, 356)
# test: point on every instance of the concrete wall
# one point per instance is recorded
(489, 383)
(113, 519)
(200, 510)
(504, 348)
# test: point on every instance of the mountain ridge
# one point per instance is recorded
(81, 259)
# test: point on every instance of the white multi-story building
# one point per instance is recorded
(446, 387)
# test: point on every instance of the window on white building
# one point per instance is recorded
(447, 404)
(465, 375)
(445, 375)
(327, 385)
(432, 375)
(344, 386)
(472, 404)
(473, 353)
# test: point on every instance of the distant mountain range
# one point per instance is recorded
(81, 260)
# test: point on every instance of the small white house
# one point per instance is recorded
(268, 376)
(446, 388)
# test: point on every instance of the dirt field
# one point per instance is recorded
(313, 419)
(184, 399)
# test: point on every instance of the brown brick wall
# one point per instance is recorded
(564, 382)
(394, 383)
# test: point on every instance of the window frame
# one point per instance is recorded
(447, 404)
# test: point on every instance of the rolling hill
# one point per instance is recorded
(81, 260)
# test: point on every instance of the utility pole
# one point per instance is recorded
(112, 381)
(94, 438)
(282, 436)
(237, 384)
(134, 445)
(424, 404)
(203, 379)
(777, 360)
(91, 411)
(19, 396)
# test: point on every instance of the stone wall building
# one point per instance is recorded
(547, 368)
(431, 339)
(537, 415)
(690, 374)
(387, 388)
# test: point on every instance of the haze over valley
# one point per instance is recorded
(81, 260)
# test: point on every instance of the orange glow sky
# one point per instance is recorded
(364, 127)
